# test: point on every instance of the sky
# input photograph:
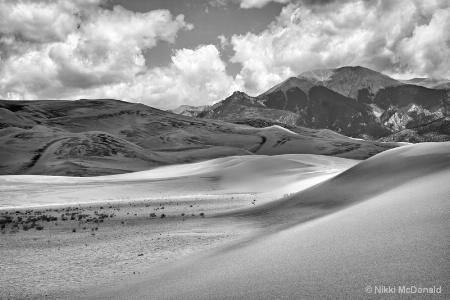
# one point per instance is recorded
(165, 53)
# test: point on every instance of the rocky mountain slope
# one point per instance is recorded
(432, 82)
(98, 137)
(189, 110)
(353, 101)
(435, 131)
(348, 81)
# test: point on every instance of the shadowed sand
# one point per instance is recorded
(385, 221)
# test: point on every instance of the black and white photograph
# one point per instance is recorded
(224, 149)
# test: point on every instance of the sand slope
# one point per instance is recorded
(274, 175)
(396, 233)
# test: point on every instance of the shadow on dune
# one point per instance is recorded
(375, 176)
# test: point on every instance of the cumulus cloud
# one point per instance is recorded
(38, 22)
(194, 77)
(97, 53)
(245, 4)
(395, 37)
(217, 3)
(223, 41)
(61, 49)
(258, 3)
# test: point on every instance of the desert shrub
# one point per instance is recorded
(39, 227)
(153, 215)
(163, 216)
(74, 230)
(6, 220)
(202, 214)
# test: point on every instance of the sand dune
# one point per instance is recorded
(105, 137)
(373, 176)
(274, 175)
(395, 233)
(278, 140)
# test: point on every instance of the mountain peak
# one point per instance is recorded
(239, 94)
(317, 75)
(348, 80)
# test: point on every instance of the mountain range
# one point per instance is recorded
(354, 101)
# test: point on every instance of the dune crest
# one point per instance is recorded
(271, 176)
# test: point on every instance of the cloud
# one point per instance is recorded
(41, 22)
(195, 77)
(61, 49)
(245, 4)
(258, 3)
(98, 53)
(395, 37)
(223, 41)
(218, 3)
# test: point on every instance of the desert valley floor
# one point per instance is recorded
(285, 226)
